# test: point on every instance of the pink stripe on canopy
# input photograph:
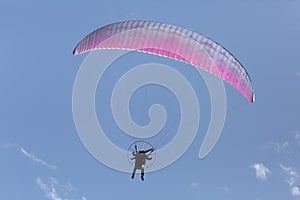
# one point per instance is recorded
(173, 42)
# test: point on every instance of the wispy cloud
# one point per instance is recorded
(52, 188)
(288, 146)
(194, 185)
(291, 178)
(276, 146)
(297, 137)
(36, 159)
(29, 155)
(55, 191)
(7, 145)
(224, 189)
(261, 171)
(49, 190)
(298, 74)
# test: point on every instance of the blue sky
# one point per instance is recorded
(42, 157)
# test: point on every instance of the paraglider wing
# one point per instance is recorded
(173, 42)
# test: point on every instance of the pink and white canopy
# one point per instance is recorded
(173, 42)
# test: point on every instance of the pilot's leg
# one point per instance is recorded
(134, 170)
(142, 174)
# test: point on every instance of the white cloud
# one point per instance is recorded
(292, 175)
(261, 171)
(55, 191)
(298, 74)
(36, 159)
(295, 191)
(49, 190)
(291, 178)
